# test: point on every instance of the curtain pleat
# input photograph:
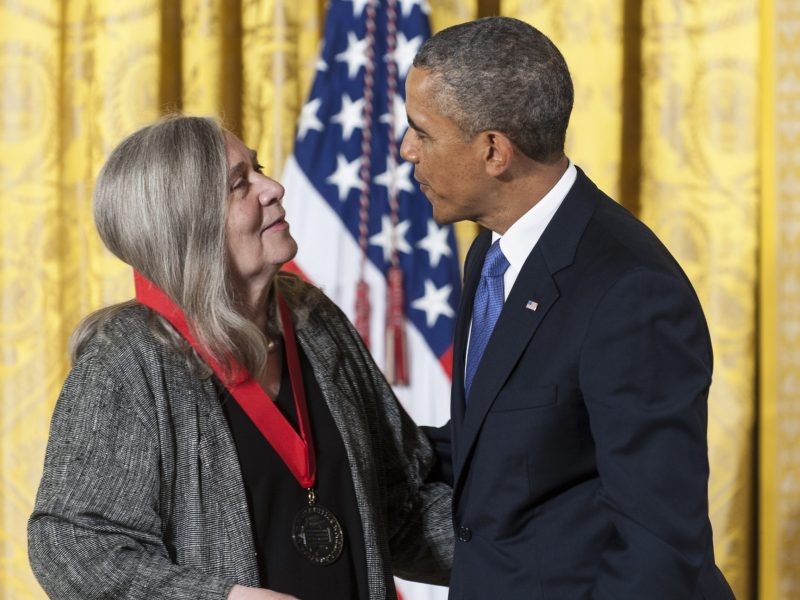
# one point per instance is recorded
(201, 54)
(699, 192)
(76, 77)
(779, 314)
(281, 41)
(30, 322)
(591, 40)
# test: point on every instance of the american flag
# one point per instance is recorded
(356, 210)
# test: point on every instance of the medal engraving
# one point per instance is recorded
(317, 535)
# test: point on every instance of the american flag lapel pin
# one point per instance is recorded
(532, 305)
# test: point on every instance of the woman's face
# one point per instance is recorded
(259, 241)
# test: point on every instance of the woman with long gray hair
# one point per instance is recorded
(226, 434)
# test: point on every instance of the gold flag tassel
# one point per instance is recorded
(396, 342)
(363, 309)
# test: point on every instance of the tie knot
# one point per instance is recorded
(495, 263)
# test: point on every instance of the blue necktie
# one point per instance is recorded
(485, 309)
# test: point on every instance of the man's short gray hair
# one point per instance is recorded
(501, 73)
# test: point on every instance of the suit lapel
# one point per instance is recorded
(514, 329)
(517, 324)
(472, 273)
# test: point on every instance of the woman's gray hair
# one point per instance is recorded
(160, 205)
(500, 73)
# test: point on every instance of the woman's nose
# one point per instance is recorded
(271, 192)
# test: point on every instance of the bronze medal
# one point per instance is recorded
(318, 535)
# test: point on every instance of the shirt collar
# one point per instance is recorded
(523, 234)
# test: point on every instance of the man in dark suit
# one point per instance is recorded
(582, 362)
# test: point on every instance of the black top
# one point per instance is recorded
(275, 497)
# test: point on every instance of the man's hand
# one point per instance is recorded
(240, 592)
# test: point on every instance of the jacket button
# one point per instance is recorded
(464, 534)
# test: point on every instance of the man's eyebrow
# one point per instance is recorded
(254, 156)
(414, 126)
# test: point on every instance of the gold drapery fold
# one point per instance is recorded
(31, 324)
(109, 78)
(444, 13)
(591, 40)
(76, 77)
(699, 192)
(282, 43)
(779, 373)
(200, 31)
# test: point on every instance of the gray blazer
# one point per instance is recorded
(142, 495)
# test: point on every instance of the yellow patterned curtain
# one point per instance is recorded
(590, 37)
(686, 112)
(76, 76)
(699, 191)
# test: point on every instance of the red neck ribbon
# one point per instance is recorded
(297, 451)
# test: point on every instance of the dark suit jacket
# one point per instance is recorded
(580, 460)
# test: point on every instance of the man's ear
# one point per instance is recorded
(498, 151)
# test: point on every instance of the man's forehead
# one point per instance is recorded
(418, 77)
(419, 87)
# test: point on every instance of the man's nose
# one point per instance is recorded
(407, 148)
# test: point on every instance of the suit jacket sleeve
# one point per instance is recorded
(441, 440)
(96, 531)
(645, 372)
